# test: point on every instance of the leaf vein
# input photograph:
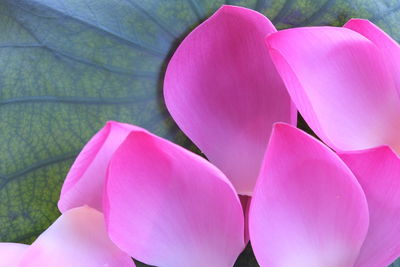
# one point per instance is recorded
(75, 100)
(147, 49)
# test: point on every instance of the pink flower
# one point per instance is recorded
(224, 92)
(77, 238)
(85, 181)
(344, 81)
(167, 206)
(159, 200)
(311, 208)
(232, 87)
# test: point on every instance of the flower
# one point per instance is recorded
(85, 180)
(231, 84)
(224, 92)
(162, 204)
(344, 81)
(166, 206)
(76, 238)
(313, 208)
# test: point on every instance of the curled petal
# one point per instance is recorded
(224, 92)
(308, 209)
(341, 85)
(378, 171)
(166, 206)
(11, 254)
(389, 48)
(85, 181)
(77, 238)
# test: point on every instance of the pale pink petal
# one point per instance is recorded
(85, 181)
(341, 85)
(378, 171)
(224, 92)
(166, 206)
(389, 48)
(308, 209)
(78, 238)
(11, 254)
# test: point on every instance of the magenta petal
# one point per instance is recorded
(341, 85)
(308, 209)
(85, 181)
(166, 206)
(77, 238)
(11, 254)
(224, 92)
(378, 171)
(389, 48)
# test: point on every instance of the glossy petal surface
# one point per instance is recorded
(389, 48)
(11, 254)
(78, 238)
(308, 209)
(224, 92)
(85, 181)
(181, 210)
(378, 171)
(341, 84)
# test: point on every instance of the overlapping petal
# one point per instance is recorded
(166, 206)
(11, 254)
(224, 92)
(78, 238)
(378, 172)
(308, 210)
(341, 84)
(388, 47)
(85, 181)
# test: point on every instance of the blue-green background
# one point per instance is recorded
(68, 66)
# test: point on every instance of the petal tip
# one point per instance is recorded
(354, 21)
(232, 9)
(280, 128)
(111, 122)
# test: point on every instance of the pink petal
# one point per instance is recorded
(341, 85)
(378, 171)
(77, 238)
(224, 92)
(11, 254)
(85, 181)
(166, 206)
(308, 209)
(389, 48)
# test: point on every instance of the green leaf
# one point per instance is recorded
(396, 263)
(68, 66)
